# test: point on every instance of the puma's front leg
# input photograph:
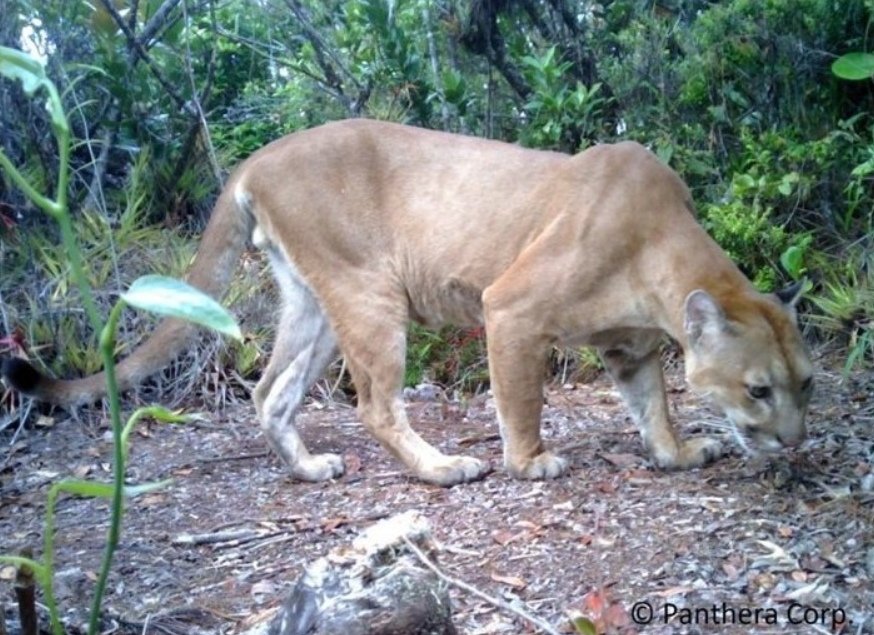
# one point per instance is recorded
(516, 369)
(641, 384)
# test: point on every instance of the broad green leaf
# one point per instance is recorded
(854, 66)
(16, 64)
(174, 298)
(791, 260)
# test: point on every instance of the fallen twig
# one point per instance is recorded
(191, 540)
(235, 457)
(464, 586)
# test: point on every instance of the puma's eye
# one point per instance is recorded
(807, 384)
(759, 392)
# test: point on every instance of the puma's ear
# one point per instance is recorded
(703, 317)
(791, 294)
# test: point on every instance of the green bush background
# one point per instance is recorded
(738, 96)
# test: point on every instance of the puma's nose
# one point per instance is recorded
(792, 439)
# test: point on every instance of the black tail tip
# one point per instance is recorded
(20, 374)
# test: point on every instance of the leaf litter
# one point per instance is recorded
(225, 542)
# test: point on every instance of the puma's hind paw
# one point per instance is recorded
(319, 467)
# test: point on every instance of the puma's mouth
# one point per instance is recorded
(755, 442)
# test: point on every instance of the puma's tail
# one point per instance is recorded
(223, 241)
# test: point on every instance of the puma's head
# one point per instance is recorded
(747, 355)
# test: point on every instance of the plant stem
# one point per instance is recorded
(48, 560)
(48, 206)
(107, 351)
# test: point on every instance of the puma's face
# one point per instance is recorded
(754, 367)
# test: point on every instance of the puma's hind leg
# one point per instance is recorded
(305, 345)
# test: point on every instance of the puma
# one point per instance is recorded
(369, 225)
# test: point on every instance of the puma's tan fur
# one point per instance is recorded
(371, 224)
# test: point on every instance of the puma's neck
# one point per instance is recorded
(706, 268)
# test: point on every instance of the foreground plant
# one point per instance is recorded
(157, 294)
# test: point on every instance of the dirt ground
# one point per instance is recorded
(731, 548)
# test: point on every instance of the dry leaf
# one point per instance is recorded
(674, 590)
(331, 524)
(785, 531)
(152, 499)
(352, 463)
(605, 487)
(44, 421)
(638, 476)
(504, 537)
(799, 576)
(622, 460)
(616, 616)
(527, 524)
(606, 615)
(513, 581)
(764, 581)
(7, 573)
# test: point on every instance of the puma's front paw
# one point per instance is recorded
(542, 466)
(319, 467)
(692, 453)
(452, 470)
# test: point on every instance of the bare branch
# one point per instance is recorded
(140, 49)
(329, 62)
(464, 586)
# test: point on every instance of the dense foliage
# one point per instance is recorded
(164, 96)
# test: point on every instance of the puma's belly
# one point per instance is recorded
(450, 302)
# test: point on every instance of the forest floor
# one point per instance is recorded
(729, 548)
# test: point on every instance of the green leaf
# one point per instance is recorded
(854, 66)
(16, 64)
(86, 488)
(665, 153)
(164, 415)
(584, 626)
(92, 489)
(791, 259)
(144, 488)
(174, 298)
